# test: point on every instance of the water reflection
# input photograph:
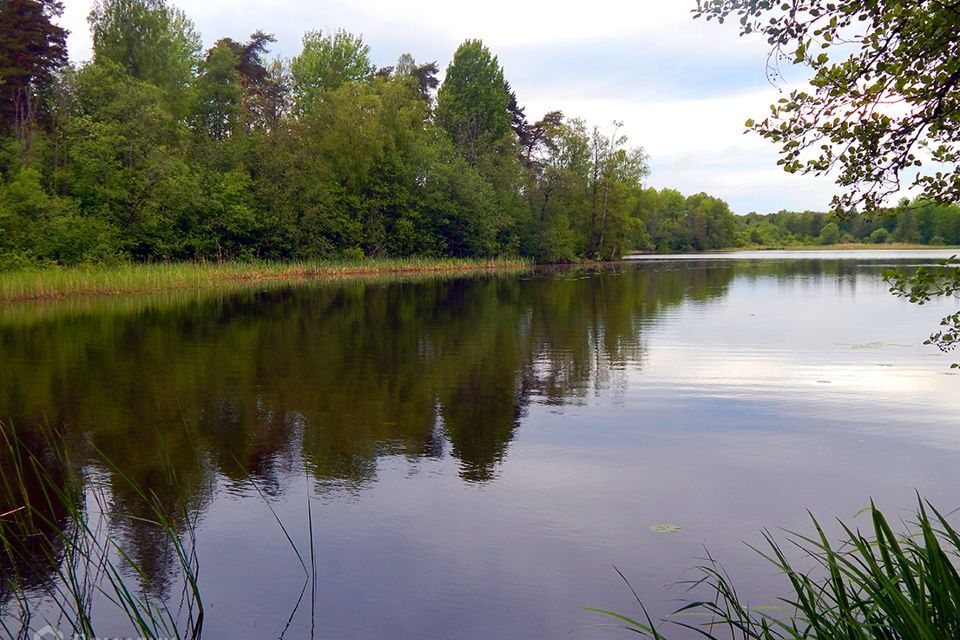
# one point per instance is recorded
(198, 398)
(339, 375)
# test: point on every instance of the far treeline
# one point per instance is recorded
(916, 222)
(158, 150)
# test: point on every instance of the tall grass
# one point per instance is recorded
(879, 586)
(59, 282)
(59, 557)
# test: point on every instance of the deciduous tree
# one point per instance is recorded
(326, 63)
(472, 104)
(153, 41)
(883, 108)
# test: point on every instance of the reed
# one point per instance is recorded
(876, 586)
(60, 282)
(59, 556)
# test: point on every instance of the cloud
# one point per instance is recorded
(699, 144)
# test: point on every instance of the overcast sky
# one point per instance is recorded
(682, 88)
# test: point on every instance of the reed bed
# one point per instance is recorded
(59, 282)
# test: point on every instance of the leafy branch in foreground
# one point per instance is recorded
(883, 110)
(887, 586)
(927, 283)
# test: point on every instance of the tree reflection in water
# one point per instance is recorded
(186, 395)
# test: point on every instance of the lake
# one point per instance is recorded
(478, 453)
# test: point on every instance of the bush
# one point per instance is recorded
(880, 236)
(830, 234)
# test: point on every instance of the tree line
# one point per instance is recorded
(158, 150)
(917, 222)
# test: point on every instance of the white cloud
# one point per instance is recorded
(700, 145)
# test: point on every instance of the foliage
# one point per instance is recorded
(881, 586)
(156, 152)
(923, 285)
(326, 63)
(472, 103)
(152, 41)
(830, 233)
(32, 49)
(884, 108)
(916, 223)
(879, 236)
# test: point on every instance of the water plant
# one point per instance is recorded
(60, 555)
(880, 585)
(59, 282)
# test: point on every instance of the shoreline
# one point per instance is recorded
(57, 283)
(800, 248)
(847, 246)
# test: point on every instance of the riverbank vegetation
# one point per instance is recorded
(917, 223)
(158, 150)
(61, 556)
(60, 282)
(874, 585)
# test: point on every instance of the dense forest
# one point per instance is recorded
(916, 222)
(158, 150)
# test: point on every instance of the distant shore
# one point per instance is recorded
(64, 282)
(848, 246)
(845, 246)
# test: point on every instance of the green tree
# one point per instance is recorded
(154, 42)
(326, 63)
(236, 89)
(37, 227)
(32, 49)
(219, 94)
(879, 236)
(885, 97)
(830, 234)
(617, 170)
(472, 103)
(128, 164)
(711, 223)
(549, 236)
(424, 74)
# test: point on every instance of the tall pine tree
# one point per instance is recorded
(32, 49)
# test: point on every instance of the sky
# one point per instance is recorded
(682, 88)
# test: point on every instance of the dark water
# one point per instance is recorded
(478, 452)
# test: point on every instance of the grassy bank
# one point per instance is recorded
(56, 282)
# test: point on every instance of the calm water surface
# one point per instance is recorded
(478, 452)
